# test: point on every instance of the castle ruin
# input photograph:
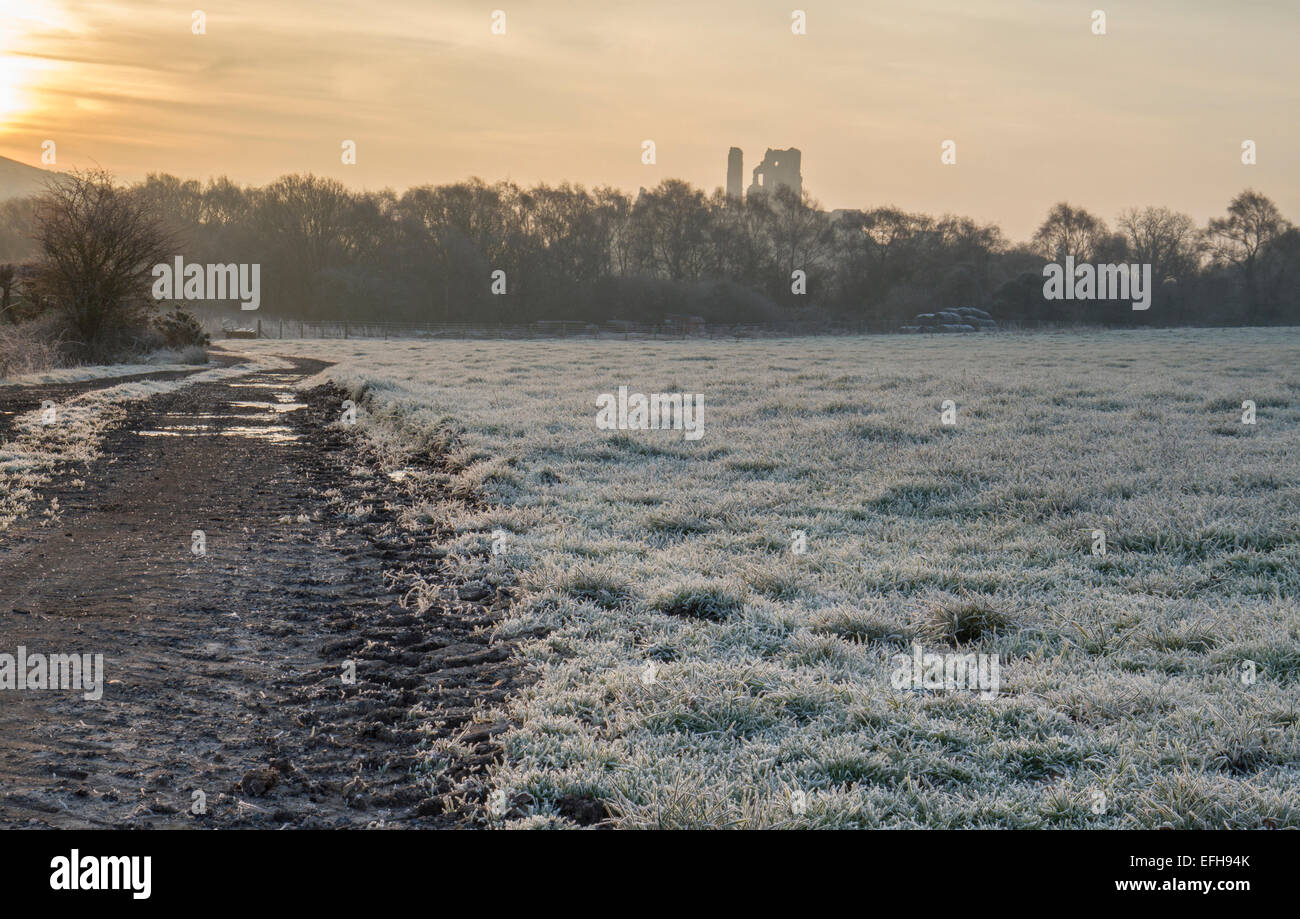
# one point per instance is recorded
(779, 169)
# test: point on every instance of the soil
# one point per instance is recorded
(227, 702)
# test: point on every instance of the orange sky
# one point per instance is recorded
(1153, 112)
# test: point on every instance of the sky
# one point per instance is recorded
(1041, 109)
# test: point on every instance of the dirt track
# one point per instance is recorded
(15, 399)
(225, 672)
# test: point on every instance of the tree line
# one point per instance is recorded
(569, 253)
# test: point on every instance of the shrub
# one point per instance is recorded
(97, 245)
(181, 329)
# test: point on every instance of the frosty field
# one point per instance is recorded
(693, 670)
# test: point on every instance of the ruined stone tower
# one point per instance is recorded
(779, 168)
(735, 173)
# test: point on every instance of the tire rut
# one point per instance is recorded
(225, 672)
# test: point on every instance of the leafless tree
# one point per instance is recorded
(799, 233)
(1070, 231)
(1244, 237)
(673, 224)
(1165, 239)
(98, 244)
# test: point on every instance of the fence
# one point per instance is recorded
(275, 328)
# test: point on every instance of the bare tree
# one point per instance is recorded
(1170, 243)
(673, 224)
(1070, 231)
(302, 222)
(798, 235)
(1165, 239)
(98, 244)
(1243, 238)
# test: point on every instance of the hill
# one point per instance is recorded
(18, 179)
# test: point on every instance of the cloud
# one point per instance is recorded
(1040, 107)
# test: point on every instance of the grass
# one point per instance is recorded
(159, 361)
(1120, 673)
(965, 620)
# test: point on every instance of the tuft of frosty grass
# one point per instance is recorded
(1121, 703)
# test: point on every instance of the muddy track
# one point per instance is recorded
(16, 399)
(226, 673)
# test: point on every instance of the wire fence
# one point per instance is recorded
(275, 328)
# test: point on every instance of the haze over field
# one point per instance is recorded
(1153, 112)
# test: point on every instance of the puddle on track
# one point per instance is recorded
(274, 433)
(278, 407)
(284, 403)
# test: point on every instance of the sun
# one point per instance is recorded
(25, 24)
(12, 98)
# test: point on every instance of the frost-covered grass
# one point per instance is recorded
(159, 361)
(1121, 675)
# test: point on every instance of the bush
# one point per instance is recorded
(181, 329)
(97, 245)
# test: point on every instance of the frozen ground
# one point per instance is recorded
(695, 671)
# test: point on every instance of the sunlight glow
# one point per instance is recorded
(23, 20)
(12, 99)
